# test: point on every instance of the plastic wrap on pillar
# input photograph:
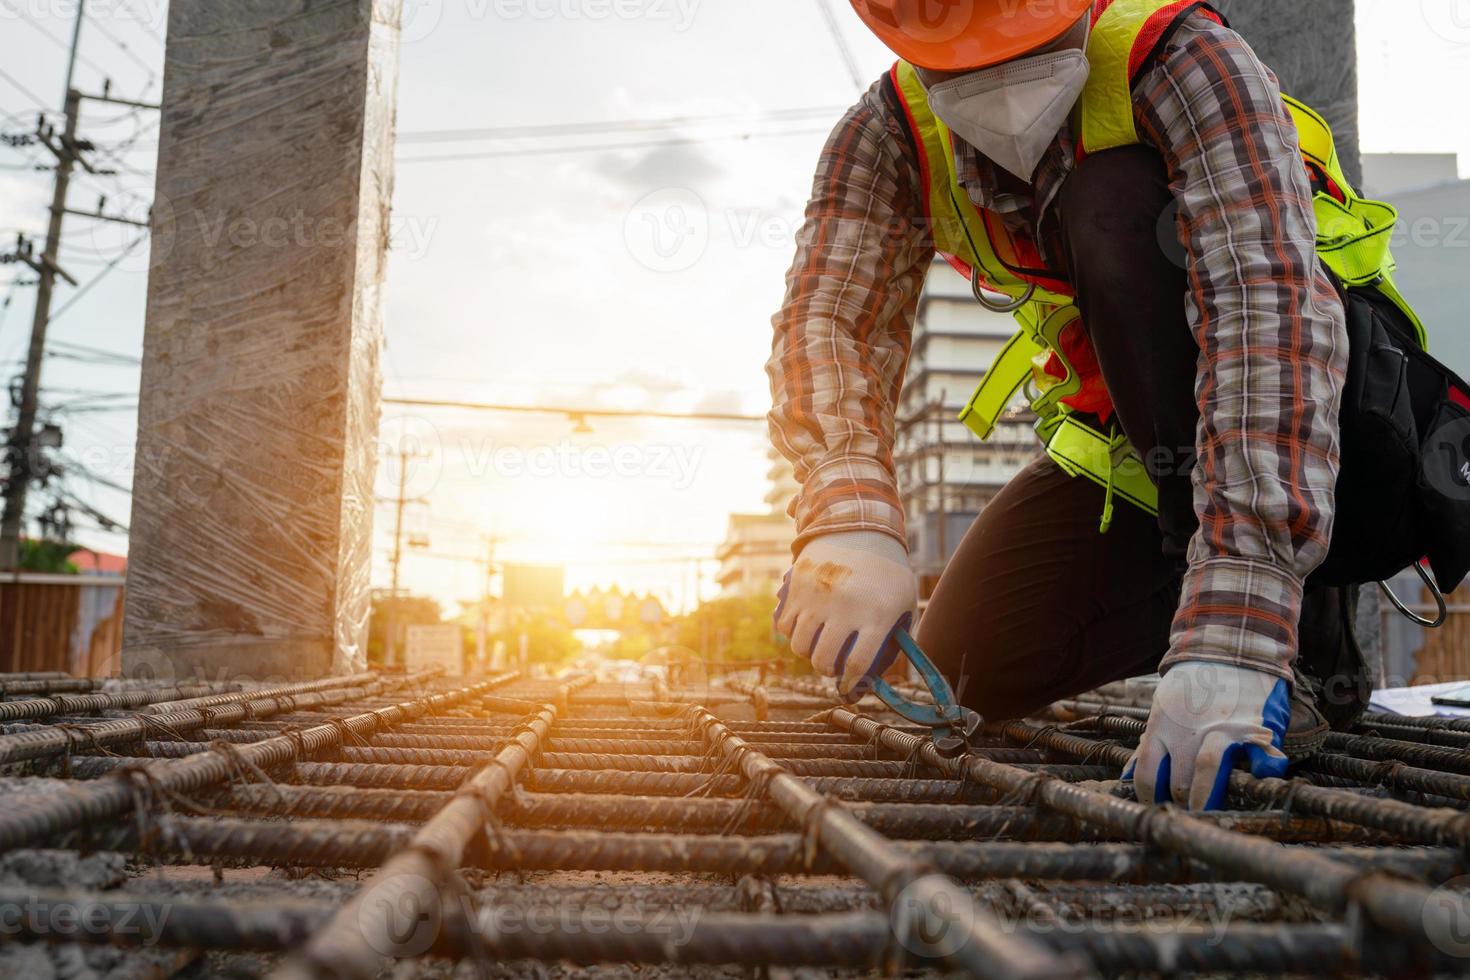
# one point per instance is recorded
(253, 493)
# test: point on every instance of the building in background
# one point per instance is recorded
(945, 473)
(534, 587)
(1432, 247)
(1431, 242)
(757, 549)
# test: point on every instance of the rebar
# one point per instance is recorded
(78, 704)
(828, 838)
(33, 821)
(1400, 907)
(363, 934)
(988, 950)
(1410, 823)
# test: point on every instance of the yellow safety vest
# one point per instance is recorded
(1352, 240)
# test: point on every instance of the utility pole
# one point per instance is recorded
(22, 439)
(482, 636)
(943, 502)
(68, 150)
(405, 459)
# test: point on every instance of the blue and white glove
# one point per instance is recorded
(1204, 716)
(842, 602)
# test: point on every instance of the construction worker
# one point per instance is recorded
(1126, 176)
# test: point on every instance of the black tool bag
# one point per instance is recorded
(1404, 490)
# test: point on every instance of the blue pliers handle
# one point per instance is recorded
(953, 724)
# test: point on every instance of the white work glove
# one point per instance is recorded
(1204, 716)
(842, 602)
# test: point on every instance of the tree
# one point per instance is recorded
(51, 557)
(548, 640)
(735, 630)
(407, 610)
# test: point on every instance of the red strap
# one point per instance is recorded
(1161, 21)
(918, 138)
(1459, 397)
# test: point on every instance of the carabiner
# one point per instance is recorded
(979, 289)
(1414, 617)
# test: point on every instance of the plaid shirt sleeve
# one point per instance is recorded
(1273, 343)
(842, 336)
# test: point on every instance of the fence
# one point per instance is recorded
(1414, 655)
(71, 623)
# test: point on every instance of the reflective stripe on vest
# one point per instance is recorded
(1352, 237)
(970, 239)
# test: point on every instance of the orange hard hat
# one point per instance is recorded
(959, 35)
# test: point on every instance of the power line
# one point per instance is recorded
(122, 45)
(66, 347)
(102, 481)
(835, 28)
(23, 89)
(26, 18)
(576, 413)
(612, 126)
(607, 147)
(92, 512)
(117, 260)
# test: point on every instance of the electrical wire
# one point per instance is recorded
(610, 147)
(83, 349)
(24, 91)
(90, 511)
(613, 126)
(848, 59)
(576, 413)
(63, 45)
(143, 25)
(102, 481)
(101, 27)
(99, 276)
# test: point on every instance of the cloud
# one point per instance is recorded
(664, 166)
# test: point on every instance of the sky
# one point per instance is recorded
(554, 268)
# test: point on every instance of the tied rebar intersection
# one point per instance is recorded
(507, 826)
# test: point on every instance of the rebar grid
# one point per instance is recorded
(830, 840)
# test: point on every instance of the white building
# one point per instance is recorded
(757, 548)
(946, 474)
(1431, 242)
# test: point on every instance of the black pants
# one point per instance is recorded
(1037, 605)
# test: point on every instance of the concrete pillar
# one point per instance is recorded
(253, 489)
(1312, 47)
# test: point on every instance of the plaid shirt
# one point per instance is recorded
(1267, 317)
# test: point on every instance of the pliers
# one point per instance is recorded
(952, 724)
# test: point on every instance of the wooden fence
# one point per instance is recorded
(61, 622)
(1414, 655)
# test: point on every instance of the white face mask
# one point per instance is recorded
(1012, 112)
